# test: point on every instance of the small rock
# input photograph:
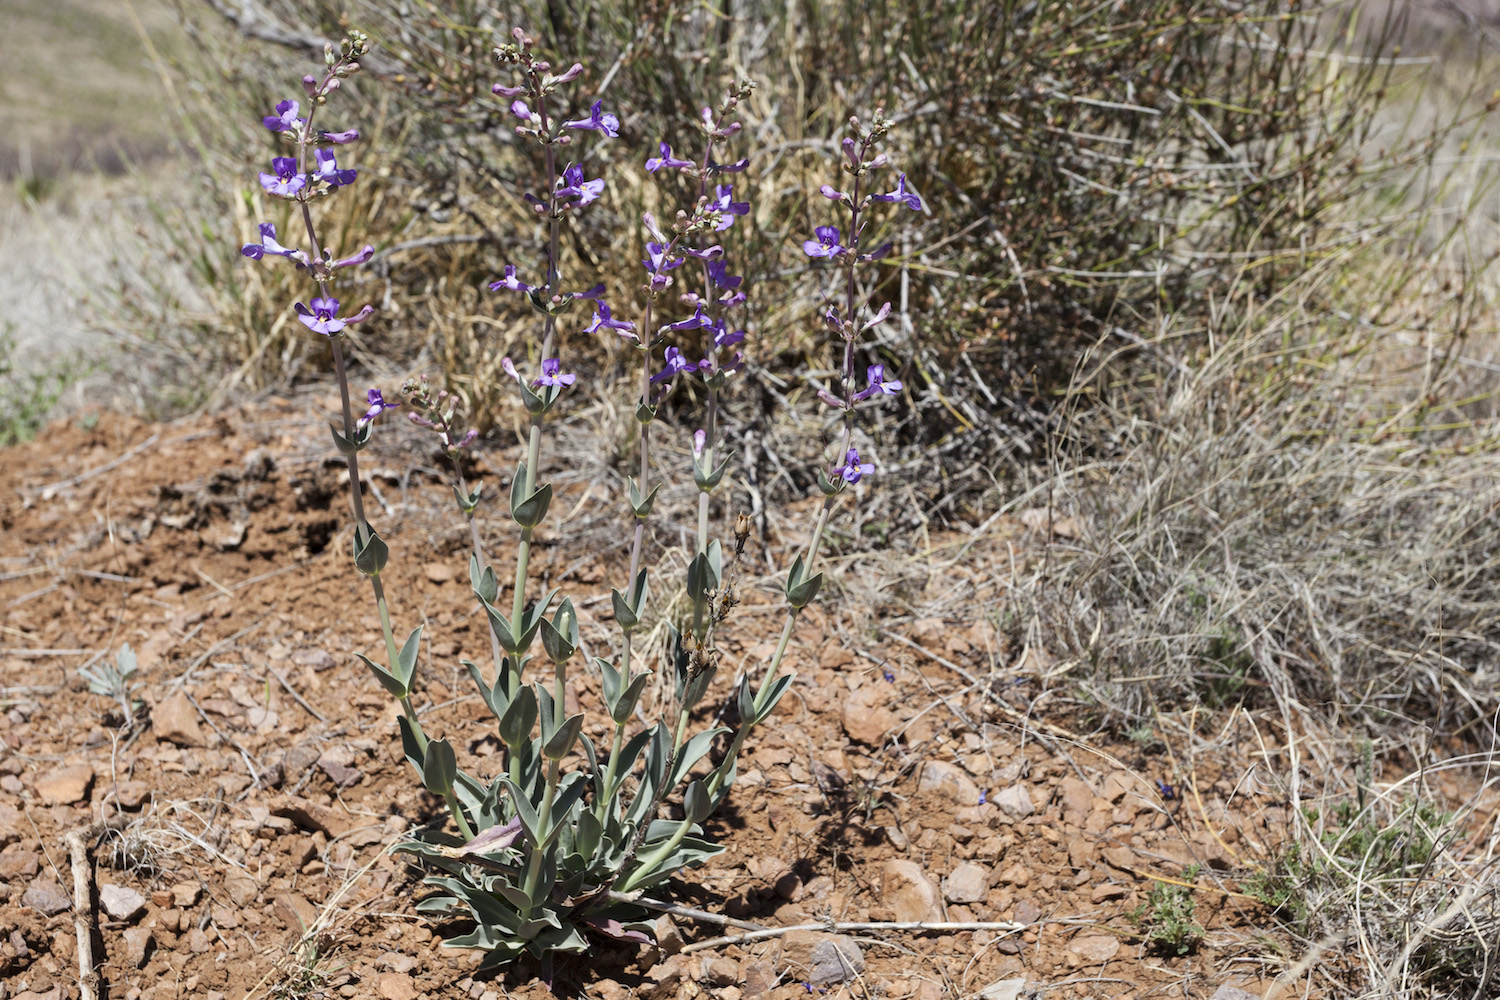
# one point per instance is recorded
(341, 773)
(1027, 912)
(950, 780)
(1077, 800)
(131, 794)
(822, 958)
(12, 784)
(1017, 875)
(317, 659)
(120, 902)
(968, 883)
(1233, 993)
(185, 894)
(1109, 890)
(294, 911)
(138, 946)
(46, 897)
(723, 972)
(1080, 852)
(666, 976)
(1015, 802)
(66, 786)
(19, 864)
(437, 572)
(55, 993)
(225, 917)
(905, 888)
(199, 940)
(1096, 948)
(396, 986)
(1122, 858)
(1004, 989)
(176, 721)
(311, 815)
(668, 938)
(1118, 784)
(242, 887)
(866, 717)
(756, 978)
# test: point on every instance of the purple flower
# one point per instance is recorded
(878, 385)
(901, 194)
(329, 172)
(833, 194)
(726, 208)
(604, 321)
(878, 318)
(881, 251)
(890, 678)
(700, 436)
(666, 161)
(285, 182)
(550, 374)
(521, 110)
(340, 138)
(509, 281)
(360, 258)
(693, 322)
(323, 316)
(507, 91)
(706, 367)
(285, 119)
(593, 294)
(597, 121)
(510, 368)
(707, 253)
(573, 185)
(826, 245)
(728, 168)
(983, 796)
(378, 405)
(676, 365)
(718, 273)
(723, 336)
(853, 468)
(268, 245)
(657, 260)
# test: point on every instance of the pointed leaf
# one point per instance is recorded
(406, 661)
(562, 741)
(440, 768)
(393, 684)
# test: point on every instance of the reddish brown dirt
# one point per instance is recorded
(218, 548)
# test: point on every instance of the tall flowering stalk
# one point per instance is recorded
(547, 854)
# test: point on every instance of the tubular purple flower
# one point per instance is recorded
(597, 121)
(572, 185)
(878, 318)
(593, 294)
(378, 405)
(268, 245)
(729, 168)
(718, 273)
(826, 245)
(853, 468)
(707, 253)
(901, 194)
(726, 207)
(568, 76)
(340, 138)
(833, 194)
(693, 322)
(286, 181)
(883, 250)
(657, 260)
(676, 364)
(362, 257)
(830, 399)
(502, 90)
(603, 320)
(521, 110)
(700, 437)
(285, 119)
(552, 374)
(510, 281)
(323, 316)
(510, 369)
(328, 170)
(727, 338)
(666, 161)
(850, 152)
(875, 374)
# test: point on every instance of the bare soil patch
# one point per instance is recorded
(915, 774)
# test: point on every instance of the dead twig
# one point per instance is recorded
(77, 842)
(836, 926)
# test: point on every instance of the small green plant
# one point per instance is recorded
(114, 681)
(1167, 916)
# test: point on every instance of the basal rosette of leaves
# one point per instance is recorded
(563, 841)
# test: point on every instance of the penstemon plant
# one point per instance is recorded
(566, 838)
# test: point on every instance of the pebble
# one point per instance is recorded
(968, 883)
(1077, 800)
(1233, 993)
(46, 897)
(905, 888)
(66, 786)
(823, 959)
(1107, 891)
(865, 717)
(176, 721)
(185, 894)
(318, 659)
(1096, 948)
(950, 780)
(1015, 802)
(242, 887)
(120, 902)
(19, 864)
(138, 945)
(131, 794)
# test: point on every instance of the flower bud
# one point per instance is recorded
(310, 84)
(742, 528)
